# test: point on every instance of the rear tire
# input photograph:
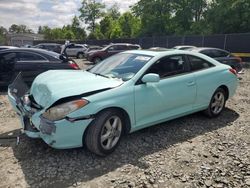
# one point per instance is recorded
(217, 103)
(104, 133)
(80, 56)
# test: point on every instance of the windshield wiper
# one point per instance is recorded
(98, 74)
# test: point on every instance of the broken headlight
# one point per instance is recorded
(61, 111)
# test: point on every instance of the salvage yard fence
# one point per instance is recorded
(235, 43)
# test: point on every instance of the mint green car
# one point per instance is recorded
(122, 94)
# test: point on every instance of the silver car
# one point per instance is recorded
(76, 50)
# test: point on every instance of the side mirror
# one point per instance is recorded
(150, 78)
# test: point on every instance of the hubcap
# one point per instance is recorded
(111, 132)
(218, 103)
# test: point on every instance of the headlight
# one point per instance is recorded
(60, 111)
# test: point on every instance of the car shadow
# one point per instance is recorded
(47, 167)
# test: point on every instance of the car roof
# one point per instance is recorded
(158, 53)
(183, 46)
(9, 47)
(48, 44)
(127, 44)
(198, 49)
(35, 50)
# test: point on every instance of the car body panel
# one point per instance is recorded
(145, 103)
(154, 102)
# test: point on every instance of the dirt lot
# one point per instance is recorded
(192, 151)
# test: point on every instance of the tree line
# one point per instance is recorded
(150, 18)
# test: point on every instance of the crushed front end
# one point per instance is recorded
(61, 134)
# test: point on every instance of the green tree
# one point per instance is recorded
(129, 25)
(46, 31)
(14, 28)
(3, 33)
(155, 16)
(90, 12)
(96, 34)
(78, 32)
(116, 31)
(114, 12)
(229, 16)
(106, 25)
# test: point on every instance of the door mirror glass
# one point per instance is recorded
(150, 78)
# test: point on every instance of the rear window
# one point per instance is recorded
(198, 63)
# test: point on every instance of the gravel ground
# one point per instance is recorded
(192, 151)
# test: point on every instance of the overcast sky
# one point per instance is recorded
(54, 13)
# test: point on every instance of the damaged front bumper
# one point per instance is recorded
(62, 134)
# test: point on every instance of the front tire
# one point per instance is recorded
(80, 56)
(104, 133)
(217, 103)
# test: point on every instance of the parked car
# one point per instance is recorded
(96, 56)
(30, 62)
(76, 50)
(184, 47)
(54, 47)
(90, 49)
(122, 94)
(158, 49)
(222, 56)
(7, 47)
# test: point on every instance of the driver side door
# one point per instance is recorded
(172, 96)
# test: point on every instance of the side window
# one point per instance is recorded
(220, 53)
(133, 47)
(7, 58)
(168, 66)
(197, 63)
(7, 62)
(24, 56)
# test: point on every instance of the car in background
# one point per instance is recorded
(7, 47)
(75, 50)
(124, 93)
(184, 47)
(158, 49)
(91, 48)
(96, 56)
(31, 62)
(54, 47)
(222, 56)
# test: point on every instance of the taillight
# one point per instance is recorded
(233, 71)
(74, 66)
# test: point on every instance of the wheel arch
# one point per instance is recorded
(225, 88)
(125, 117)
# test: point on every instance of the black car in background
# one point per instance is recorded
(54, 47)
(31, 62)
(222, 56)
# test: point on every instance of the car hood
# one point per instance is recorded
(53, 85)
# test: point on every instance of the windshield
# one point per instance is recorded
(123, 66)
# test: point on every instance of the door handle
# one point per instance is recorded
(191, 83)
